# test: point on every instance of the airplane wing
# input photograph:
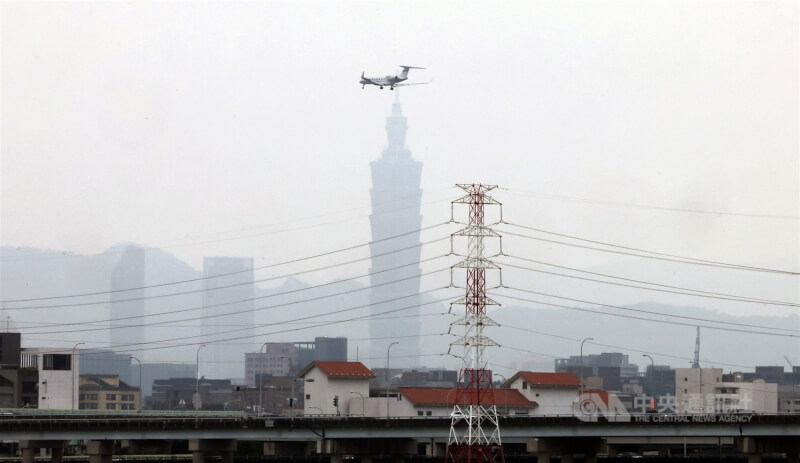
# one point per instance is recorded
(412, 83)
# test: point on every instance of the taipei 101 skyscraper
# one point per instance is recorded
(396, 197)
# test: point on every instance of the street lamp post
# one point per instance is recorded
(197, 379)
(141, 394)
(387, 377)
(652, 371)
(261, 380)
(587, 339)
(362, 402)
(72, 359)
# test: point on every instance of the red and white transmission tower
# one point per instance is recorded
(474, 427)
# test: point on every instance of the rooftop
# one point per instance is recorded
(340, 369)
(447, 396)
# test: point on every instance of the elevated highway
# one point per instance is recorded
(545, 436)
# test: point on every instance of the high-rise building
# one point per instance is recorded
(274, 358)
(228, 318)
(127, 302)
(396, 197)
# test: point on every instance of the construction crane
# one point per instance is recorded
(696, 362)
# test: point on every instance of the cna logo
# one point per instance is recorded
(592, 405)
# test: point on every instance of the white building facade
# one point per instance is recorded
(59, 376)
(701, 390)
(555, 393)
(342, 382)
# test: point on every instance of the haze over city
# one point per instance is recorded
(240, 129)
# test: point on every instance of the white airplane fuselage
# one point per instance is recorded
(389, 80)
(382, 81)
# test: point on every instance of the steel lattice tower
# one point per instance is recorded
(474, 427)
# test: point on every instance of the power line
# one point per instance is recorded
(645, 206)
(670, 322)
(708, 296)
(169, 324)
(233, 285)
(253, 269)
(288, 330)
(732, 296)
(655, 256)
(88, 352)
(227, 314)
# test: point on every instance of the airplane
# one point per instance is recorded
(391, 81)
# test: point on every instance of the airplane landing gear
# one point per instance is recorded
(381, 87)
(391, 88)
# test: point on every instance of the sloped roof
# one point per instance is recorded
(548, 379)
(447, 396)
(340, 369)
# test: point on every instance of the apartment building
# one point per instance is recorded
(107, 393)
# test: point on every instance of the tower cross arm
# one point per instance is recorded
(476, 262)
(477, 230)
(470, 199)
(476, 188)
(486, 300)
(483, 341)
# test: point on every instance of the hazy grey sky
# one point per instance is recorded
(158, 121)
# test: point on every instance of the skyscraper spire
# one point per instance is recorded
(396, 197)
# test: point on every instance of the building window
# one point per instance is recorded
(60, 362)
(81, 396)
(419, 413)
(428, 413)
(111, 406)
(524, 385)
(308, 396)
(111, 397)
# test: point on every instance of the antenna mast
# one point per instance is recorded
(696, 363)
(474, 427)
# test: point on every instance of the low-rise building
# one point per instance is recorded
(421, 401)
(57, 376)
(108, 392)
(703, 390)
(331, 387)
(18, 385)
(555, 393)
(276, 359)
(180, 394)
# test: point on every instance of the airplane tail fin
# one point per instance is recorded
(404, 72)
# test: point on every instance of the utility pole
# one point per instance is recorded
(474, 426)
